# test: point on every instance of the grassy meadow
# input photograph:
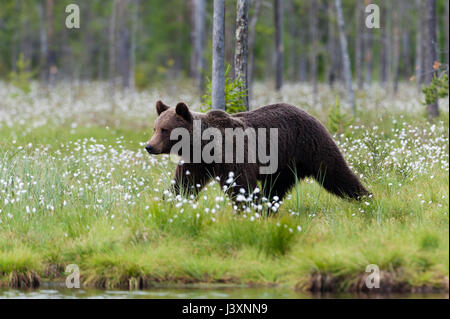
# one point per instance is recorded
(77, 187)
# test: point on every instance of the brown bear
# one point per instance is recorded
(305, 149)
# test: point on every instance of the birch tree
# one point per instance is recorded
(42, 39)
(51, 54)
(333, 50)
(345, 55)
(368, 51)
(124, 44)
(359, 43)
(218, 56)
(112, 46)
(278, 19)
(199, 20)
(386, 44)
(396, 48)
(292, 31)
(314, 46)
(251, 44)
(430, 51)
(241, 47)
(419, 45)
(446, 28)
(134, 28)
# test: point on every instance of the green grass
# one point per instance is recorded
(66, 200)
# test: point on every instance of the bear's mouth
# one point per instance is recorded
(150, 149)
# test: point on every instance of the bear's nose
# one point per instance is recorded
(149, 149)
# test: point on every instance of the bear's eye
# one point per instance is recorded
(163, 130)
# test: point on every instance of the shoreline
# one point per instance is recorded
(309, 284)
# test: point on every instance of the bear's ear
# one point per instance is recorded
(161, 107)
(182, 110)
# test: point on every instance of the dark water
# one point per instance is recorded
(51, 291)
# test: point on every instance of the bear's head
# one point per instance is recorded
(168, 119)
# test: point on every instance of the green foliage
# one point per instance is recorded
(429, 241)
(233, 94)
(166, 37)
(21, 77)
(437, 89)
(270, 238)
(140, 78)
(338, 122)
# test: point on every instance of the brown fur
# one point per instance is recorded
(305, 149)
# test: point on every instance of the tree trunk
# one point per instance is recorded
(368, 56)
(42, 40)
(405, 39)
(134, 27)
(241, 46)
(218, 56)
(112, 47)
(292, 38)
(385, 45)
(430, 51)
(84, 68)
(345, 56)
(51, 54)
(359, 42)
(15, 45)
(124, 44)
(230, 33)
(314, 39)
(103, 51)
(198, 60)
(419, 45)
(396, 48)
(26, 42)
(251, 45)
(333, 53)
(446, 27)
(406, 54)
(278, 17)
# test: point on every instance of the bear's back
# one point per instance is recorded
(280, 115)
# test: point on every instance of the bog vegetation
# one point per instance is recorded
(77, 187)
(77, 106)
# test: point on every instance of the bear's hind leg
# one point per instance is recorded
(278, 184)
(190, 179)
(241, 185)
(343, 183)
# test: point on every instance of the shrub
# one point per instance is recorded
(437, 89)
(233, 94)
(21, 78)
(338, 122)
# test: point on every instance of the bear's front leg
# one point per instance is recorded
(189, 179)
(238, 186)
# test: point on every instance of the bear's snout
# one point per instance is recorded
(150, 149)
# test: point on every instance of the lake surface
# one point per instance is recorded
(56, 291)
